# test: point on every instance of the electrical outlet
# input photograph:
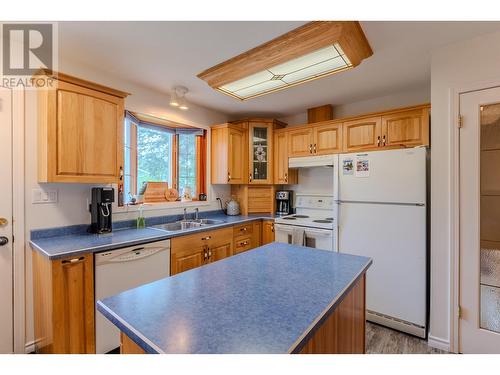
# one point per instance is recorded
(39, 196)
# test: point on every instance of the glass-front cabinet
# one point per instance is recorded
(260, 153)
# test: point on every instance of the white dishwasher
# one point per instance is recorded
(119, 270)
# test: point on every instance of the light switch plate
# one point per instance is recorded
(39, 196)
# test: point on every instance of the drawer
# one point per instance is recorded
(242, 244)
(243, 229)
(208, 237)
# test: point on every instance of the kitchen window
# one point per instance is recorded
(159, 151)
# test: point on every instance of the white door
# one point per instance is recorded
(6, 318)
(479, 328)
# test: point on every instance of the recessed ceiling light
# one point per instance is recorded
(315, 50)
(178, 97)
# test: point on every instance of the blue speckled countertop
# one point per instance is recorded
(267, 300)
(60, 246)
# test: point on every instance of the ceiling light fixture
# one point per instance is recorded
(312, 51)
(178, 97)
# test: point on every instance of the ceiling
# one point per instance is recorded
(160, 55)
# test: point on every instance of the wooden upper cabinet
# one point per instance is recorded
(406, 129)
(282, 174)
(80, 133)
(229, 155)
(260, 158)
(362, 134)
(300, 142)
(327, 139)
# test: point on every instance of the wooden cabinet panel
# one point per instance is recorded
(257, 233)
(300, 142)
(282, 174)
(363, 134)
(187, 258)
(64, 304)
(327, 139)
(229, 155)
(80, 135)
(406, 129)
(237, 157)
(267, 231)
(220, 251)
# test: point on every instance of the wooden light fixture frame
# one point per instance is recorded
(296, 43)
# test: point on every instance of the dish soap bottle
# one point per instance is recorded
(141, 221)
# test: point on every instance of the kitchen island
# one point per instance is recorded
(277, 298)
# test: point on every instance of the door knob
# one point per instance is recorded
(3, 241)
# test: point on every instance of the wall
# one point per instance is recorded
(71, 207)
(453, 67)
(418, 95)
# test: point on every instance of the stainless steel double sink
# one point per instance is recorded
(187, 224)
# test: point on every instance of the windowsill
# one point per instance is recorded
(160, 206)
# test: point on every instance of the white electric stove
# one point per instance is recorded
(312, 225)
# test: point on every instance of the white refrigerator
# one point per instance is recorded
(382, 215)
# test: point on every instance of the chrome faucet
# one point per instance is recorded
(196, 212)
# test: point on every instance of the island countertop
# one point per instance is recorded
(267, 300)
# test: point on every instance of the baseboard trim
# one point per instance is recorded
(29, 347)
(438, 343)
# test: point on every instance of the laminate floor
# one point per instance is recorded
(382, 340)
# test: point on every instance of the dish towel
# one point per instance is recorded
(298, 236)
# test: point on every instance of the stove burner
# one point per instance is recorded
(301, 216)
(323, 221)
(288, 218)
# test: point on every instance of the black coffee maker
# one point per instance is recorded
(100, 210)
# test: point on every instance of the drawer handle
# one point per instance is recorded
(244, 243)
(206, 238)
(244, 229)
(72, 261)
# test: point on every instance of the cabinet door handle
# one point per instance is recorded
(205, 255)
(286, 177)
(228, 176)
(206, 238)
(378, 141)
(315, 148)
(310, 148)
(121, 173)
(383, 140)
(250, 175)
(72, 261)
(209, 253)
(272, 227)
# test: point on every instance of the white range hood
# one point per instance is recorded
(312, 161)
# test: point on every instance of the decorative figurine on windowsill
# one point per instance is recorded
(186, 194)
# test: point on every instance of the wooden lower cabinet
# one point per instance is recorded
(247, 236)
(63, 294)
(197, 249)
(343, 332)
(267, 231)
